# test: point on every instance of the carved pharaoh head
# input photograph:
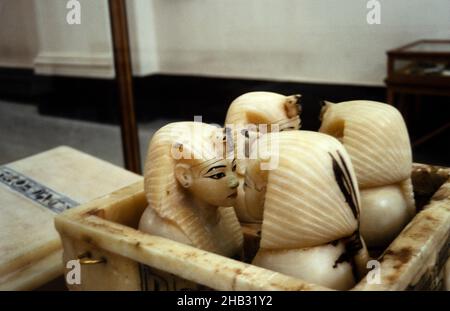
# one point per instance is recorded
(310, 198)
(190, 162)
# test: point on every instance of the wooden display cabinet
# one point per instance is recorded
(419, 68)
(422, 67)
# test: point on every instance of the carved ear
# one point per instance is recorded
(325, 106)
(292, 105)
(183, 174)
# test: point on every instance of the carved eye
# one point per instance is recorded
(217, 176)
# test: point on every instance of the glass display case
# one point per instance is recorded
(422, 67)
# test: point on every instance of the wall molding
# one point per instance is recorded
(15, 64)
(86, 66)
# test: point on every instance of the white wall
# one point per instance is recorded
(299, 40)
(35, 34)
(18, 42)
(141, 23)
(74, 50)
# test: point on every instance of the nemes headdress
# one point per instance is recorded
(192, 142)
(262, 108)
(376, 138)
(311, 195)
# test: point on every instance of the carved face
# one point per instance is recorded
(213, 182)
(255, 189)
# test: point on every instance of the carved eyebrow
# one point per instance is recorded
(215, 167)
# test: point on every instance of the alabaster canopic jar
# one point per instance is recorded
(191, 185)
(376, 138)
(251, 115)
(305, 185)
(265, 108)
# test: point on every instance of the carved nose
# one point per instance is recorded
(233, 182)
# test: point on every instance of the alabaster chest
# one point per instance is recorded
(116, 256)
